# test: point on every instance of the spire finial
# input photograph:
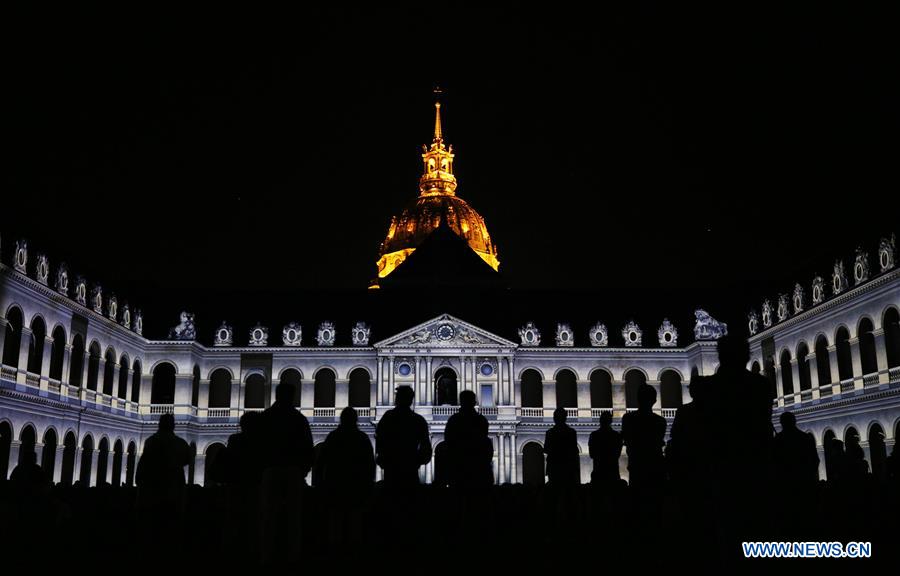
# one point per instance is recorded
(438, 134)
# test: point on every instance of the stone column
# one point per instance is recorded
(514, 459)
(656, 386)
(549, 395)
(795, 376)
(474, 362)
(390, 391)
(417, 382)
(618, 395)
(184, 384)
(95, 459)
(58, 464)
(24, 345)
(13, 456)
(129, 390)
(462, 375)
(203, 398)
(501, 458)
(833, 368)
(881, 356)
(814, 374)
(86, 368)
(45, 362)
(584, 398)
(236, 400)
(857, 364)
(501, 382)
(779, 385)
(3, 323)
(515, 385)
(429, 382)
(378, 389)
(199, 468)
(341, 395)
(101, 375)
(66, 366)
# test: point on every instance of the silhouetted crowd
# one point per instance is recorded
(724, 476)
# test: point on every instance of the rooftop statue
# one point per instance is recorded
(707, 327)
(185, 329)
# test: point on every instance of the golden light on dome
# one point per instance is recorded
(437, 200)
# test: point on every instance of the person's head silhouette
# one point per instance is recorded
(646, 397)
(560, 416)
(250, 421)
(403, 397)
(788, 421)
(284, 393)
(167, 423)
(467, 400)
(605, 419)
(734, 352)
(348, 417)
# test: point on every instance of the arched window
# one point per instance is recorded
(877, 451)
(102, 461)
(891, 323)
(5, 442)
(195, 387)
(28, 440)
(601, 389)
(122, 392)
(93, 365)
(842, 349)
(445, 387)
(68, 461)
(634, 379)
(117, 463)
(532, 390)
(48, 456)
(220, 389)
(212, 467)
(566, 389)
(255, 391)
(109, 372)
(76, 361)
(87, 455)
(323, 389)
(36, 346)
(867, 356)
(130, 464)
(823, 365)
(162, 386)
(803, 367)
(670, 389)
(136, 381)
(533, 464)
(360, 388)
(57, 353)
(292, 377)
(13, 340)
(787, 375)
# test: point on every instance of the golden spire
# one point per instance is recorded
(437, 176)
(438, 136)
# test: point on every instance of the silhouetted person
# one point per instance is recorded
(289, 456)
(348, 474)
(30, 508)
(161, 485)
(605, 448)
(469, 450)
(244, 460)
(643, 433)
(837, 462)
(796, 458)
(561, 448)
(402, 443)
(28, 476)
(857, 468)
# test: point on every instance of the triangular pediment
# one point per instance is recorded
(445, 331)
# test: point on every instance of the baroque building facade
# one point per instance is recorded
(82, 387)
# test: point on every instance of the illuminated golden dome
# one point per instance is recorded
(437, 201)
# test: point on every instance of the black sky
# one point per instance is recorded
(705, 155)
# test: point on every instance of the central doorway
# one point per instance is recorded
(445, 387)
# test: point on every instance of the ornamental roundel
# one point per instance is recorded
(767, 314)
(292, 334)
(783, 310)
(564, 336)
(259, 335)
(487, 369)
(445, 332)
(861, 267)
(62, 280)
(631, 333)
(818, 290)
(667, 334)
(886, 252)
(81, 291)
(752, 322)
(529, 335)
(126, 316)
(838, 278)
(360, 334)
(224, 335)
(43, 269)
(599, 335)
(799, 298)
(326, 334)
(21, 262)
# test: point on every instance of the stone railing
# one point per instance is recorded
(489, 410)
(894, 375)
(323, 412)
(364, 411)
(846, 385)
(162, 409)
(870, 379)
(669, 412)
(8, 372)
(218, 412)
(597, 412)
(444, 410)
(32, 379)
(532, 412)
(53, 385)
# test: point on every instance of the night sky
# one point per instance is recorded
(640, 155)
